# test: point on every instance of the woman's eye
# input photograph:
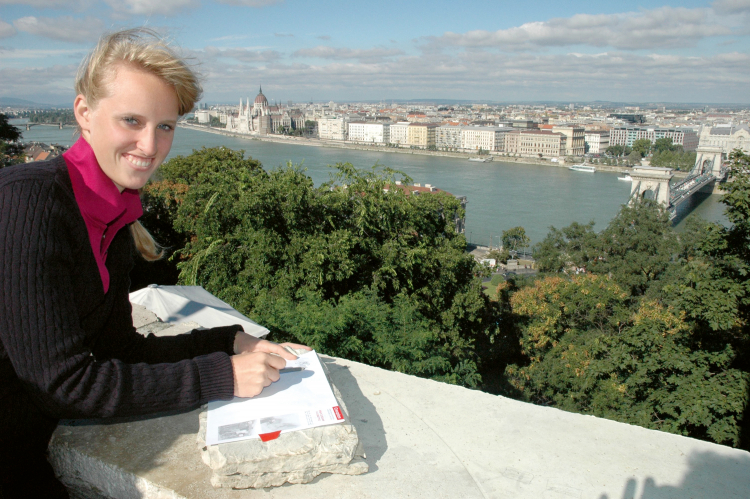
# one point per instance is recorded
(130, 121)
(165, 127)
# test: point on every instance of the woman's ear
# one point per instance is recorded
(82, 112)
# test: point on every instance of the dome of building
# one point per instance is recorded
(261, 99)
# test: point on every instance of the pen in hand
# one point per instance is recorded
(291, 370)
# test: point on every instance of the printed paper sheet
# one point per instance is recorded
(298, 400)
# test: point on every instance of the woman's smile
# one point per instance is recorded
(132, 127)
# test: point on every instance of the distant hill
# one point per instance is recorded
(14, 102)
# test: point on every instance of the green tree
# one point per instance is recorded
(64, 116)
(664, 144)
(589, 351)
(10, 151)
(8, 133)
(216, 122)
(515, 239)
(634, 158)
(637, 246)
(615, 150)
(310, 127)
(355, 268)
(642, 147)
(566, 250)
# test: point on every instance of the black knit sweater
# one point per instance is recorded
(69, 350)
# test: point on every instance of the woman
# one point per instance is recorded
(68, 232)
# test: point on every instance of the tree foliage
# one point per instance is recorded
(636, 323)
(566, 250)
(665, 144)
(674, 158)
(642, 147)
(635, 248)
(634, 158)
(10, 151)
(654, 332)
(515, 239)
(64, 116)
(8, 133)
(356, 268)
(618, 150)
(589, 352)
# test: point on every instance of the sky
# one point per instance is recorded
(344, 51)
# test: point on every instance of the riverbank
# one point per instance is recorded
(308, 142)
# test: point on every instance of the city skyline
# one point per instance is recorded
(688, 51)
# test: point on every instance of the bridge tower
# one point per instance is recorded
(651, 182)
(708, 161)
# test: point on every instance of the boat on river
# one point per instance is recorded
(582, 168)
(626, 178)
(481, 159)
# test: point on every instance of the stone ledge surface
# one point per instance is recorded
(423, 439)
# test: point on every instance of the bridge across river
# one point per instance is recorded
(654, 182)
(59, 125)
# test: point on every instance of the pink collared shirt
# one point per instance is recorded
(105, 210)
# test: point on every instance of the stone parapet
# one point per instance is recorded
(422, 439)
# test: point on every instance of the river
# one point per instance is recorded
(500, 195)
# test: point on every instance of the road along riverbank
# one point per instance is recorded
(310, 142)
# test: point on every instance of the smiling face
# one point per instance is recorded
(132, 127)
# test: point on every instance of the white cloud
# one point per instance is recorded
(33, 83)
(228, 38)
(151, 7)
(66, 28)
(731, 6)
(495, 76)
(250, 3)
(6, 29)
(665, 27)
(28, 54)
(50, 4)
(241, 54)
(323, 52)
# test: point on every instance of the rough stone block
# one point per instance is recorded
(294, 457)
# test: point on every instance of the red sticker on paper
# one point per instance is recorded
(337, 411)
(269, 436)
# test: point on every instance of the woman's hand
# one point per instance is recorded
(244, 343)
(257, 362)
(254, 371)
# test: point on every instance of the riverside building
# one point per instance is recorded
(728, 137)
(530, 143)
(262, 118)
(486, 138)
(332, 128)
(625, 136)
(448, 137)
(575, 142)
(421, 135)
(399, 133)
(369, 133)
(597, 141)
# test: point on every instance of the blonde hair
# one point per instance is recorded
(145, 50)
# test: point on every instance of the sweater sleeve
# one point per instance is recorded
(42, 334)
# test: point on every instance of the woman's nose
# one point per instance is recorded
(147, 141)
